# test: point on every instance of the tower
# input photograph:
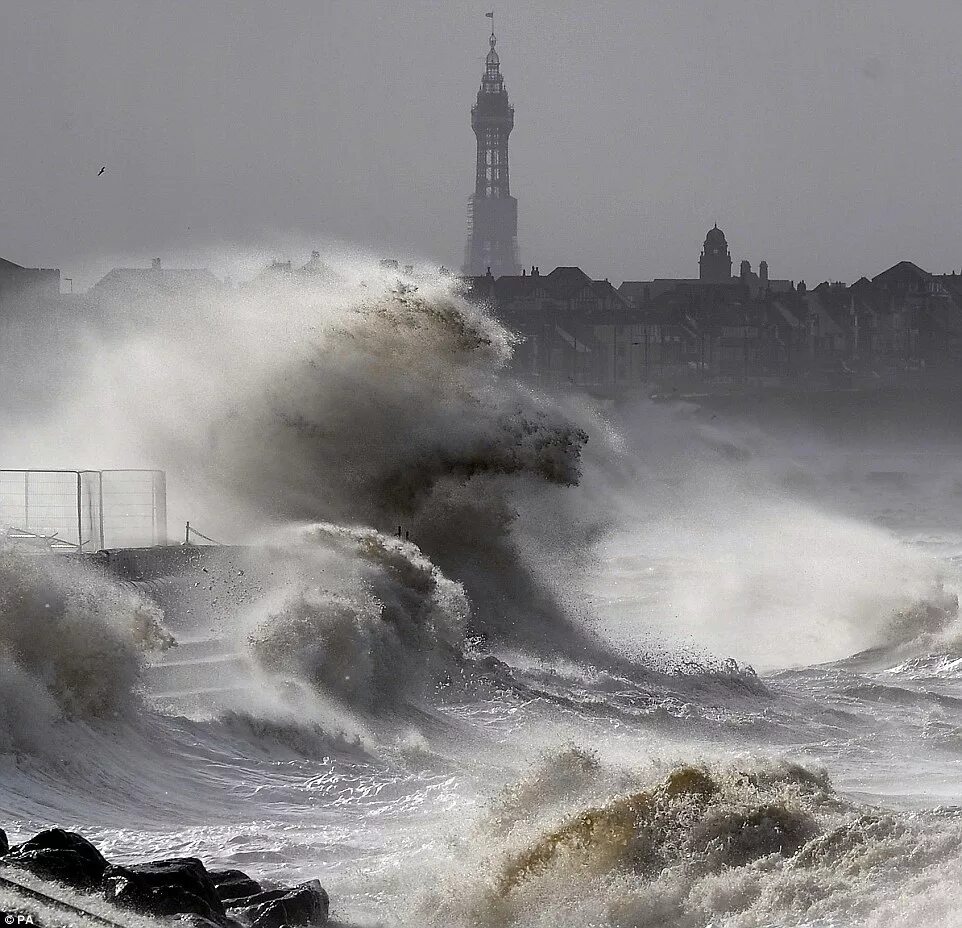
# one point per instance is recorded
(715, 263)
(492, 211)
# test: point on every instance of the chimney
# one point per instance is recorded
(155, 264)
(763, 271)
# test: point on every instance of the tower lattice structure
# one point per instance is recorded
(492, 211)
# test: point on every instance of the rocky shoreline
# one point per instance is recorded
(179, 888)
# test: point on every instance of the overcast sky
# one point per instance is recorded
(823, 136)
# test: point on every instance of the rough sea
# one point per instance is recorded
(494, 655)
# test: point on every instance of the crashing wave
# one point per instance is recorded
(688, 846)
(72, 645)
(915, 636)
(364, 619)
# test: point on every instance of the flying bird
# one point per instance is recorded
(104, 168)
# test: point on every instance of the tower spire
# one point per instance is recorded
(492, 211)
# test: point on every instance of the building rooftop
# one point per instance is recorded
(147, 281)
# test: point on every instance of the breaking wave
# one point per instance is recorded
(72, 646)
(688, 846)
(925, 633)
(358, 400)
(422, 527)
(364, 619)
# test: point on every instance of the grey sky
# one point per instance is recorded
(823, 136)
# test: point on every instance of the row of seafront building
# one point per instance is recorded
(719, 330)
(716, 330)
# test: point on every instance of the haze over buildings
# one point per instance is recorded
(822, 130)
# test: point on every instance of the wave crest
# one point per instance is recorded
(72, 644)
(698, 844)
(362, 618)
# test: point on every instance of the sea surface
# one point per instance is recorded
(724, 690)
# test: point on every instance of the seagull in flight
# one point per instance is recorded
(104, 168)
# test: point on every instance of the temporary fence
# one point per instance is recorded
(84, 510)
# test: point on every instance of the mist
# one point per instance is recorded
(377, 588)
(357, 397)
(761, 117)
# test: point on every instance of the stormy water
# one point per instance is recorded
(484, 653)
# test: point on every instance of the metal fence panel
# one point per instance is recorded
(84, 510)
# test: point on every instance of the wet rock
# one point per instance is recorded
(234, 884)
(162, 888)
(62, 856)
(179, 888)
(303, 906)
(160, 902)
(265, 895)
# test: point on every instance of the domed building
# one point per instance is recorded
(715, 263)
(714, 272)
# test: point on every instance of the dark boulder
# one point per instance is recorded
(234, 884)
(63, 856)
(265, 895)
(162, 888)
(303, 906)
(4, 843)
(158, 901)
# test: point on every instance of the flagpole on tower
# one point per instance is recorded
(491, 17)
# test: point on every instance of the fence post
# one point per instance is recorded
(160, 507)
(80, 515)
(103, 540)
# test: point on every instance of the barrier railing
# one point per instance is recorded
(83, 510)
(190, 533)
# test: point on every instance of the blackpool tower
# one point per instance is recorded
(492, 211)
